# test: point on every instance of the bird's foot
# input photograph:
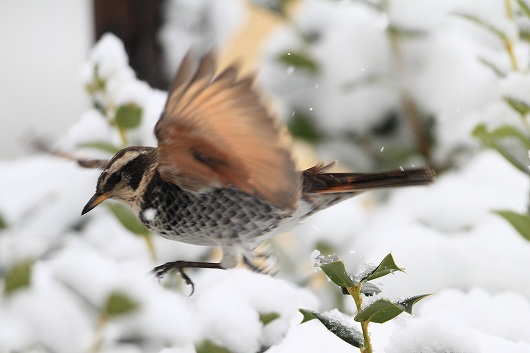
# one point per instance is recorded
(161, 270)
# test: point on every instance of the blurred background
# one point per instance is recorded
(376, 84)
(45, 42)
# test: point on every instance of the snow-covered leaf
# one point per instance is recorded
(119, 304)
(128, 219)
(518, 105)
(380, 311)
(337, 273)
(521, 222)
(345, 332)
(370, 289)
(386, 267)
(300, 61)
(18, 277)
(210, 347)
(128, 116)
(266, 318)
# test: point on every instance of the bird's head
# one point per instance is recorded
(125, 177)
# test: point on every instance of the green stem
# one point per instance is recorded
(98, 341)
(508, 7)
(355, 292)
(508, 44)
(150, 246)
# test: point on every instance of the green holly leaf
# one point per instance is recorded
(521, 222)
(128, 219)
(484, 24)
(384, 268)
(300, 61)
(337, 273)
(493, 139)
(3, 223)
(379, 311)
(524, 7)
(119, 304)
(409, 302)
(128, 116)
(345, 332)
(518, 105)
(18, 277)
(384, 310)
(303, 128)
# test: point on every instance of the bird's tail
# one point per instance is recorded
(316, 180)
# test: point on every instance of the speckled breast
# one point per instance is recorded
(222, 216)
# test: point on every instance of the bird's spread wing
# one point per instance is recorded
(214, 131)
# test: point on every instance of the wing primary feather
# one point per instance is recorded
(216, 132)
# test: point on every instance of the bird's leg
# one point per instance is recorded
(161, 270)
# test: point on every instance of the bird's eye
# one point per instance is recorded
(112, 181)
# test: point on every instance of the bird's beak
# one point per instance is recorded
(94, 201)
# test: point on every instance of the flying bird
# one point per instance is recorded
(220, 175)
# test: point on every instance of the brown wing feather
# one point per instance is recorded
(214, 131)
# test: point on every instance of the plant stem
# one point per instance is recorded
(98, 341)
(508, 44)
(508, 7)
(150, 246)
(355, 292)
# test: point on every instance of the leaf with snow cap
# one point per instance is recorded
(379, 311)
(18, 277)
(384, 268)
(384, 310)
(208, 346)
(370, 289)
(119, 304)
(345, 332)
(337, 273)
(267, 318)
(521, 222)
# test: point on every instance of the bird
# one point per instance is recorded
(221, 175)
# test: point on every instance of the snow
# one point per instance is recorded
(446, 235)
